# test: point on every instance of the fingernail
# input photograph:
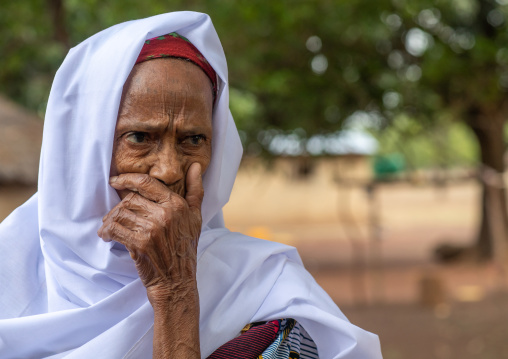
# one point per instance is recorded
(113, 179)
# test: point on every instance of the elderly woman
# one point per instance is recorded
(123, 252)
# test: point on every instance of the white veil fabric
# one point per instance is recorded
(65, 293)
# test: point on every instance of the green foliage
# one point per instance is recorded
(305, 64)
(449, 144)
(29, 56)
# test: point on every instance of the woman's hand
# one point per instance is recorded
(161, 229)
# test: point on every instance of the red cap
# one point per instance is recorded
(177, 46)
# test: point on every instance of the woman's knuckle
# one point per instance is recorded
(145, 181)
(129, 198)
(113, 229)
(117, 214)
(167, 214)
(179, 204)
(138, 245)
(158, 212)
(153, 229)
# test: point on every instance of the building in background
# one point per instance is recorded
(21, 138)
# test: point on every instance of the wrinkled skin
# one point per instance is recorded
(162, 146)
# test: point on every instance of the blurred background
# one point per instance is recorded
(375, 138)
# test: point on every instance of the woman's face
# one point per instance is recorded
(164, 122)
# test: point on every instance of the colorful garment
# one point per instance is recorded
(277, 339)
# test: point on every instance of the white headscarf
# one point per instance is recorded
(66, 293)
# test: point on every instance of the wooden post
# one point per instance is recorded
(357, 267)
(375, 244)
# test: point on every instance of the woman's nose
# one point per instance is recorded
(168, 166)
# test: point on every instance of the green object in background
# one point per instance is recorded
(387, 166)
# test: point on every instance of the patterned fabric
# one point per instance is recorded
(175, 45)
(292, 342)
(251, 342)
(277, 339)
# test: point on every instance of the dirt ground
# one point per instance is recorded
(12, 196)
(471, 322)
(474, 330)
(376, 278)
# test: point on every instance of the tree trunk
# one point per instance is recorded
(489, 132)
(60, 33)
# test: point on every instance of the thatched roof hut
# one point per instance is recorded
(20, 144)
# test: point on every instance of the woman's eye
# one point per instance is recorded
(195, 140)
(137, 137)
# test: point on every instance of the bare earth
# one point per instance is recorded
(13, 196)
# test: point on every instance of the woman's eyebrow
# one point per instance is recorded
(193, 130)
(142, 126)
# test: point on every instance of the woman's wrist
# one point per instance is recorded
(166, 295)
(176, 321)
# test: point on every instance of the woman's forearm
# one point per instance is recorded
(176, 325)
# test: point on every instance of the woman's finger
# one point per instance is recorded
(114, 231)
(131, 221)
(135, 203)
(120, 204)
(194, 187)
(147, 186)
